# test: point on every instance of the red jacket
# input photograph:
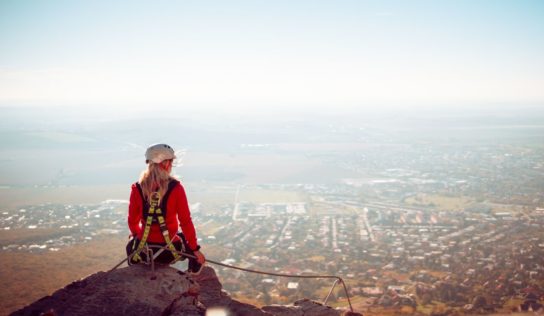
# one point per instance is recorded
(177, 214)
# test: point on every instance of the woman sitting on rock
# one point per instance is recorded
(158, 206)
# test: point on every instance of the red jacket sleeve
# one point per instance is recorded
(135, 211)
(184, 216)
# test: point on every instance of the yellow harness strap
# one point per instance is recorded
(154, 209)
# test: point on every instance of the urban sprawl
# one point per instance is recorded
(465, 231)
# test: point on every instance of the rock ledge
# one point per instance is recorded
(136, 290)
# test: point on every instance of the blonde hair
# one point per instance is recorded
(154, 179)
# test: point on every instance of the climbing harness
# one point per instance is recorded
(154, 215)
(183, 254)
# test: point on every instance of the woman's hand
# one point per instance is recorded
(200, 257)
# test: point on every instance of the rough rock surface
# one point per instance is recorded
(212, 295)
(136, 290)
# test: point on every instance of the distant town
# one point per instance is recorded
(427, 219)
(69, 224)
(388, 254)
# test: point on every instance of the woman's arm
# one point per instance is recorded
(134, 211)
(184, 217)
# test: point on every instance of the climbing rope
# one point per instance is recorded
(183, 254)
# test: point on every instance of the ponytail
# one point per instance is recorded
(154, 179)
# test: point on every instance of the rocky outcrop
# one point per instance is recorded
(136, 290)
(128, 291)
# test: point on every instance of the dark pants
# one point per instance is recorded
(166, 256)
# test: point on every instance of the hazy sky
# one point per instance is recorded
(270, 53)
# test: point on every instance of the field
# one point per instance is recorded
(439, 202)
(34, 275)
(19, 197)
(259, 167)
(270, 196)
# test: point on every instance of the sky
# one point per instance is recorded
(261, 54)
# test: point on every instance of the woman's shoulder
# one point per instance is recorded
(175, 182)
(176, 186)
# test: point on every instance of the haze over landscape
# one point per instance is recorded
(397, 144)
